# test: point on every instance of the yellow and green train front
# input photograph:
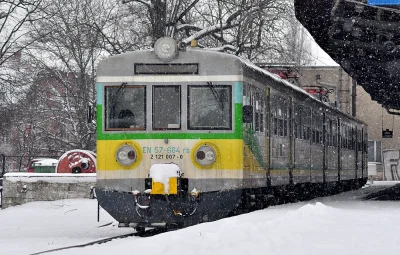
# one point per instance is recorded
(170, 170)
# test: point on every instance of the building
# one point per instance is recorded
(332, 83)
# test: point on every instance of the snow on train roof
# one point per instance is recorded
(280, 80)
(265, 72)
(248, 64)
(256, 68)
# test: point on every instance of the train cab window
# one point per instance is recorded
(210, 107)
(125, 107)
(166, 107)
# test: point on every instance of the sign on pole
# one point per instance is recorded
(387, 133)
(383, 2)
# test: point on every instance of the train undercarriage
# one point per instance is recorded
(139, 211)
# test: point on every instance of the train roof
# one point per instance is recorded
(119, 62)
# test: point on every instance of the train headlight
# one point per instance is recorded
(126, 155)
(166, 48)
(205, 155)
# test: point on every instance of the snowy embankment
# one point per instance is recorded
(341, 224)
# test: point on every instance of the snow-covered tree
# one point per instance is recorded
(255, 29)
(66, 58)
(66, 39)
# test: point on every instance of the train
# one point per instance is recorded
(187, 135)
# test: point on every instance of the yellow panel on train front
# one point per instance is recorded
(158, 188)
(229, 152)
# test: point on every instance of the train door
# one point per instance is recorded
(317, 147)
(301, 158)
(255, 138)
(260, 100)
(331, 148)
(348, 163)
(279, 140)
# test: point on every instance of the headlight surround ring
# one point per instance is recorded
(126, 155)
(205, 155)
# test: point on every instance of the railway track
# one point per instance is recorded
(148, 233)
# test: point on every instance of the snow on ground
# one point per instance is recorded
(39, 226)
(340, 224)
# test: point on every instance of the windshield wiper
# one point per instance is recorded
(115, 97)
(216, 96)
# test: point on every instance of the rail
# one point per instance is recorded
(147, 233)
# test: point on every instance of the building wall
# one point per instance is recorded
(331, 77)
(377, 120)
(21, 188)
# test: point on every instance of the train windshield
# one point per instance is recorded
(210, 107)
(166, 107)
(125, 107)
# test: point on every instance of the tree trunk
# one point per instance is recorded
(159, 16)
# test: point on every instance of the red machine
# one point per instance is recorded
(77, 161)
